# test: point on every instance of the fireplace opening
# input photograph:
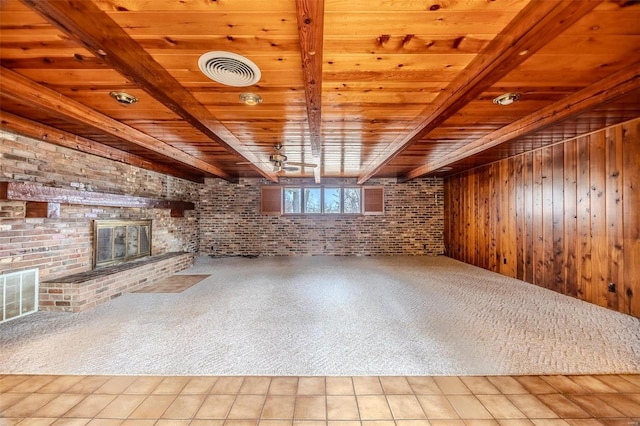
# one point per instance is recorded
(120, 241)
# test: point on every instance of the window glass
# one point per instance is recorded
(352, 200)
(332, 200)
(292, 200)
(312, 201)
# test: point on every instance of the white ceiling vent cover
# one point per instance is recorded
(229, 68)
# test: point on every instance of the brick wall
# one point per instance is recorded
(64, 246)
(231, 223)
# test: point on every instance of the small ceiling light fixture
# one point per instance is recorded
(250, 99)
(123, 98)
(506, 99)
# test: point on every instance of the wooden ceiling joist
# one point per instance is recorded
(22, 126)
(25, 90)
(535, 26)
(590, 97)
(86, 23)
(310, 15)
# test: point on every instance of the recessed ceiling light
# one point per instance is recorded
(123, 98)
(506, 99)
(250, 98)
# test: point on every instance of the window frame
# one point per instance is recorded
(280, 189)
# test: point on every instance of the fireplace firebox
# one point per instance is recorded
(119, 241)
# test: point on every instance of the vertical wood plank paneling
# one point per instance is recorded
(558, 213)
(583, 207)
(547, 217)
(631, 215)
(599, 262)
(570, 218)
(565, 217)
(446, 235)
(613, 214)
(538, 231)
(528, 216)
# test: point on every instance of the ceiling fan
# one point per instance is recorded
(280, 163)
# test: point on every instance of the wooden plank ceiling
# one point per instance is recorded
(362, 88)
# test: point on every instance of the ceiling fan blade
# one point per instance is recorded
(249, 162)
(295, 163)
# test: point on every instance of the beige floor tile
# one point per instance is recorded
(309, 423)
(8, 400)
(378, 423)
(12, 421)
(59, 405)
(32, 384)
(515, 422)
(535, 384)
(500, 407)
(405, 407)
(198, 422)
(437, 407)
(172, 422)
(274, 423)
(413, 423)
(480, 385)
(35, 421)
(367, 386)
(215, 407)
(247, 407)
(633, 378)
(395, 385)
(592, 384)
(342, 407)
(595, 406)
(447, 423)
(283, 386)
(199, 385)
(90, 406)
(255, 386)
(116, 385)
(452, 386)
(122, 406)
(563, 384)
(485, 422)
(227, 385)
(171, 386)
(424, 385)
(634, 396)
(279, 407)
(153, 407)
(532, 407)
(60, 384)
(105, 422)
(8, 382)
(138, 422)
(343, 423)
(88, 385)
(507, 385)
(620, 384)
(184, 407)
(70, 422)
(373, 407)
(622, 403)
(468, 407)
(549, 422)
(310, 408)
(28, 405)
(584, 422)
(239, 422)
(563, 407)
(340, 386)
(311, 386)
(143, 385)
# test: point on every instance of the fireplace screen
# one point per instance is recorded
(117, 241)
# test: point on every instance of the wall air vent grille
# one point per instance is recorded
(229, 69)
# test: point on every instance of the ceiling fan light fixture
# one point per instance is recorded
(250, 99)
(506, 99)
(123, 98)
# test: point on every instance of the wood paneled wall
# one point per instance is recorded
(565, 217)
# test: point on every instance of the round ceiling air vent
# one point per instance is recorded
(229, 68)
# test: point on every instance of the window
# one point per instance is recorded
(328, 200)
(332, 200)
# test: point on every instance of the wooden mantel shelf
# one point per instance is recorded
(44, 201)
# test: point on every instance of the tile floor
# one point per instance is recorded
(310, 401)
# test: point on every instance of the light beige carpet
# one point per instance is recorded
(330, 316)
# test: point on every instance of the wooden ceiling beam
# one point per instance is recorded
(22, 126)
(535, 26)
(87, 24)
(590, 97)
(22, 89)
(310, 15)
